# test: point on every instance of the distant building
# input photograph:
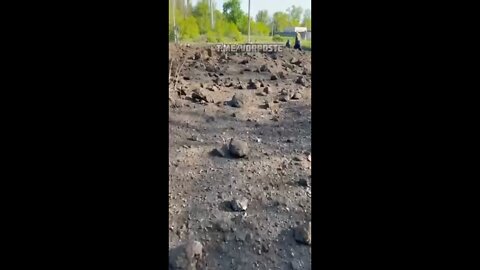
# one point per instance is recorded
(292, 31)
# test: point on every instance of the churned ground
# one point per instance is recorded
(241, 203)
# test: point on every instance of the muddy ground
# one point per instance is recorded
(241, 204)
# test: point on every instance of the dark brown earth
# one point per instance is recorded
(245, 201)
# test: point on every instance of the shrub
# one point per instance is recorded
(277, 38)
(211, 37)
(189, 28)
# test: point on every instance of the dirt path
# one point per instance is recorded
(274, 177)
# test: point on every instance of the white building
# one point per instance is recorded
(291, 31)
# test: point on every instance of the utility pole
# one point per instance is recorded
(272, 26)
(174, 24)
(211, 13)
(248, 21)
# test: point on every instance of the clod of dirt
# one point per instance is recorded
(210, 68)
(297, 95)
(199, 95)
(285, 95)
(295, 61)
(244, 61)
(241, 86)
(221, 151)
(224, 56)
(239, 100)
(263, 68)
(303, 234)
(267, 90)
(187, 256)
(268, 104)
(274, 77)
(238, 148)
(303, 182)
(197, 56)
(239, 204)
(253, 84)
(297, 158)
(301, 80)
(261, 93)
(213, 88)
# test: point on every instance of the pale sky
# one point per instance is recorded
(271, 5)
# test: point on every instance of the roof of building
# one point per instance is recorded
(296, 29)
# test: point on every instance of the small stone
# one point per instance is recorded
(295, 61)
(219, 152)
(297, 95)
(297, 158)
(238, 148)
(301, 80)
(274, 77)
(239, 100)
(193, 249)
(303, 182)
(253, 85)
(303, 234)
(240, 204)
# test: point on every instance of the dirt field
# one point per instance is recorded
(245, 202)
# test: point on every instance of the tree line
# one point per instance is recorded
(231, 22)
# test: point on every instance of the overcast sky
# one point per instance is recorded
(271, 5)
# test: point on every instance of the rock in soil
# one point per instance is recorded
(297, 95)
(253, 85)
(187, 256)
(239, 204)
(303, 234)
(199, 95)
(239, 100)
(221, 151)
(301, 80)
(238, 148)
(303, 182)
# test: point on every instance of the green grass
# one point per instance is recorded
(202, 40)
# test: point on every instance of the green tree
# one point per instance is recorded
(201, 12)
(281, 21)
(232, 11)
(262, 16)
(260, 28)
(242, 24)
(189, 28)
(295, 13)
(307, 19)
